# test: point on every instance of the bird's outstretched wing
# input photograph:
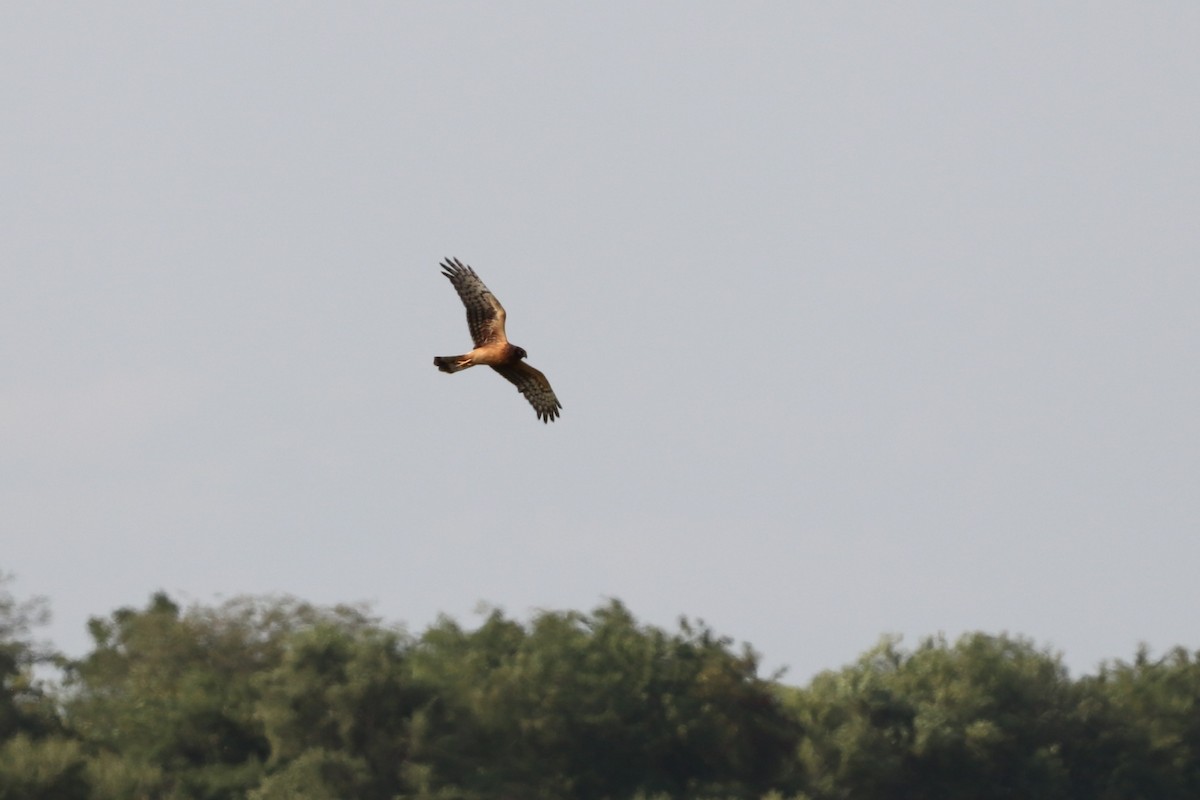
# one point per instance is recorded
(485, 315)
(533, 384)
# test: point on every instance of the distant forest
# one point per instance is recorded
(276, 699)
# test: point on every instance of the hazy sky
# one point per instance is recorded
(866, 318)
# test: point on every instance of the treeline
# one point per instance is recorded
(267, 699)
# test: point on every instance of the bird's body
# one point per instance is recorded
(485, 318)
(488, 356)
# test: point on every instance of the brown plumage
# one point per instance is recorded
(485, 318)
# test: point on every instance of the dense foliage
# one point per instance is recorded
(267, 699)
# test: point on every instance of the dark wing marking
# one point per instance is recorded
(485, 315)
(533, 384)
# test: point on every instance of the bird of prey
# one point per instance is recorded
(485, 318)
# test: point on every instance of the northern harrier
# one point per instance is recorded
(485, 318)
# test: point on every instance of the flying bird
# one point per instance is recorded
(485, 318)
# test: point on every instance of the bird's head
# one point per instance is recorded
(520, 351)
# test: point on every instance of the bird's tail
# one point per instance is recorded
(450, 363)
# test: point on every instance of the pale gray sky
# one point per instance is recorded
(866, 318)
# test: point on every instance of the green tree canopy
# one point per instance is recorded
(24, 707)
(174, 694)
(595, 705)
(267, 699)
